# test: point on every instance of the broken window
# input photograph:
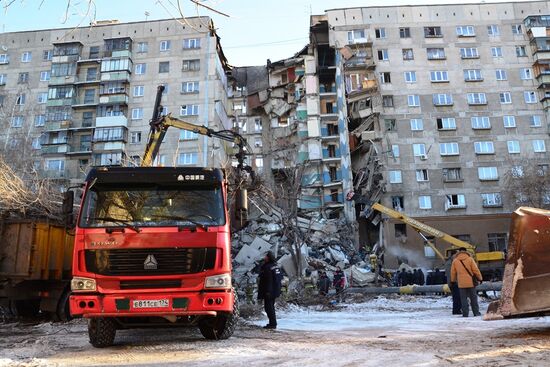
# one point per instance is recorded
(492, 199)
(387, 101)
(452, 174)
(331, 151)
(332, 172)
(385, 78)
(436, 53)
(390, 124)
(542, 169)
(23, 78)
(334, 195)
(497, 241)
(408, 54)
(455, 201)
(400, 230)
(380, 32)
(446, 123)
(332, 129)
(421, 175)
(432, 32)
(383, 55)
(397, 203)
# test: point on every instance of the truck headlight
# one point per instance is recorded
(83, 285)
(218, 281)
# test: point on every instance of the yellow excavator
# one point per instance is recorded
(490, 263)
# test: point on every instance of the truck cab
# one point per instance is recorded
(152, 247)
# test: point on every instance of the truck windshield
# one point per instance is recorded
(152, 206)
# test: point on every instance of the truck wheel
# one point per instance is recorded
(26, 308)
(63, 312)
(222, 326)
(101, 331)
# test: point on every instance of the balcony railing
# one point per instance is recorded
(62, 80)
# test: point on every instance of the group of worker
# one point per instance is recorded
(406, 277)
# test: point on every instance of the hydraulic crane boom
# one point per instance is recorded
(160, 124)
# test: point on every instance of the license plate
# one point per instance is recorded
(150, 303)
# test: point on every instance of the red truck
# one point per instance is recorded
(152, 244)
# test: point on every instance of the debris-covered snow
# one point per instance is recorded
(392, 330)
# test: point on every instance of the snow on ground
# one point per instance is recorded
(400, 330)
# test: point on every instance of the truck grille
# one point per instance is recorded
(155, 261)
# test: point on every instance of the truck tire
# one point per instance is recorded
(63, 312)
(101, 331)
(26, 308)
(221, 326)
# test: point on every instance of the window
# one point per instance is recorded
(39, 120)
(165, 45)
(430, 32)
(477, 98)
(189, 110)
(516, 29)
(142, 47)
(137, 113)
(505, 97)
(55, 165)
(187, 158)
(436, 53)
(487, 173)
(452, 174)
(492, 199)
(383, 55)
(3, 79)
(497, 241)
(164, 67)
(469, 53)
(417, 125)
(387, 101)
(190, 65)
(107, 159)
(429, 252)
(356, 35)
(26, 56)
(439, 76)
(380, 33)
(419, 150)
(20, 99)
(94, 52)
(257, 125)
(135, 137)
(484, 147)
(410, 76)
(501, 74)
(517, 171)
(395, 150)
(535, 121)
(190, 87)
(530, 97)
(513, 146)
(465, 31)
(116, 65)
(509, 121)
(42, 97)
(408, 54)
(389, 124)
(404, 32)
(385, 78)
(36, 143)
(446, 123)
(539, 146)
(442, 99)
(397, 203)
(448, 149)
(542, 169)
(425, 202)
(139, 90)
(188, 135)
(191, 43)
(109, 134)
(4, 59)
(47, 55)
(141, 69)
(17, 121)
(422, 175)
(526, 73)
(44, 76)
(413, 100)
(481, 122)
(496, 51)
(23, 78)
(520, 51)
(493, 30)
(472, 75)
(455, 201)
(258, 144)
(395, 177)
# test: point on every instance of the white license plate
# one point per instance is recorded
(150, 303)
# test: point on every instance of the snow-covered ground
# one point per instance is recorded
(397, 331)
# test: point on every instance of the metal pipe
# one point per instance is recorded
(415, 289)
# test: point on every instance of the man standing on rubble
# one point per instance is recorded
(269, 287)
(464, 271)
(453, 287)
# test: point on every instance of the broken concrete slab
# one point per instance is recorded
(260, 245)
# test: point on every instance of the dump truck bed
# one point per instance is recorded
(526, 281)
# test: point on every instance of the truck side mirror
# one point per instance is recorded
(241, 204)
(67, 208)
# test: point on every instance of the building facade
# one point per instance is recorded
(443, 105)
(75, 98)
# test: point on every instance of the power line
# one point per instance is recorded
(268, 43)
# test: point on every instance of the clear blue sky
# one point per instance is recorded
(255, 31)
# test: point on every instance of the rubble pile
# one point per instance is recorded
(322, 245)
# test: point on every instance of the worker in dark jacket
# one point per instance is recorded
(269, 287)
(323, 284)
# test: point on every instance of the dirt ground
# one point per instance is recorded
(400, 331)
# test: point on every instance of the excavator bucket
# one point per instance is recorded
(526, 280)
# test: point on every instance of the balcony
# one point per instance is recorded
(59, 102)
(117, 54)
(84, 102)
(57, 125)
(87, 80)
(543, 80)
(108, 121)
(65, 59)
(82, 148)
(114, 99)
(53, 174)
(115, 76)
(55, 148)
(546, 103)
(62, 80)
(330, 132)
